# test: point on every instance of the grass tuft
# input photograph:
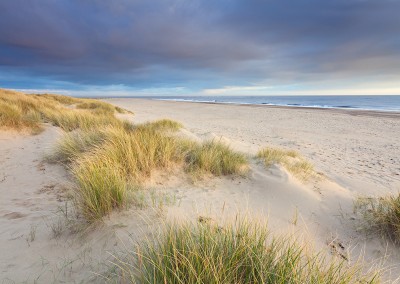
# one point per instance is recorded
(134, 153)
(215, 158)
(99, 106)
(291, 160)
(69, 120)
(21, 111)
(13, 116)
(116, 158)
(65, 100)
(382, 215)
(101, 187)
(239, 252)
(163, 124)
(72, 145)
(108, 156)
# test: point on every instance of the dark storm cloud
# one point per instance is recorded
(165, 41)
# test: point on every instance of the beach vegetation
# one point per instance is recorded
(216, 158)
(381, 215)
(295, 163)
(109, 157)
(241, 251)
(99, 106)
(20, 111)
(64, 100)
(128, 156)
(162, 124)
(12, 116)
(101, 187)
(73, 144)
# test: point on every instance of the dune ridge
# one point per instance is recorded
(45, 222)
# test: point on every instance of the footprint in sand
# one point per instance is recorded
(14, 215)
(337, 248)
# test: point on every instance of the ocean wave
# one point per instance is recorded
(257, 101)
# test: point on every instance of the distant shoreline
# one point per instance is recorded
(353, 112)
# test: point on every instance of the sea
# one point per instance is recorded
(376, 103)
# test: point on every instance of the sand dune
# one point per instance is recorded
(354, 154)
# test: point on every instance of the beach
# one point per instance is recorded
(355, 148)
(354, 153)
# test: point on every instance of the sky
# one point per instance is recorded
(201, 47)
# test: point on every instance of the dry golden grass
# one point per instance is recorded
(291, 160)
(125, 159)
(162, 124)
(132, 154)
(381, 215)
(99, 106)
(12, 116)
(65, 100)
(215, 158)
(136, 154)
(71, 119)
(75, 143)
(21, 111)
(102, 187)
(107, 156)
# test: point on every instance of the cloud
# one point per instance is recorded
(199, 44)
(232, 90)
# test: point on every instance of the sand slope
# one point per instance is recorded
(357, 155)
(357, 149)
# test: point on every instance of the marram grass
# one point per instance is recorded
(101, 187)
(239, 252)
(162, 124)
(133, 154)
(124, 161)
(73, 144)
(381, 215)
(70, 120)
(108, 157)
(291, 160)
(21, 111)
(216, 158)
(12, 116)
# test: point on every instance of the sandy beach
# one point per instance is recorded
(197, 142)
(355, 154)
(356, 149)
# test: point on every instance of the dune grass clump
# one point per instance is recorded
(291, 160)
(239, 252)
(101, 187)
(99, 106)
(12, 116)
(276, 155)
(163, 124)
(76, 143)
(140, 152)
(132, 154)
(216, 158)
(382, 215)
(111, 162)
(69, 120)
(65, 100)
(21, 111)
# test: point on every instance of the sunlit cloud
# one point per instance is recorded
(234, 90)
(202, 46)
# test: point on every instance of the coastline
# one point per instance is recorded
(351, 156)
(342, 143)
(350, 111)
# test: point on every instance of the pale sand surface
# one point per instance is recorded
(357, 154)
(357, 149)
